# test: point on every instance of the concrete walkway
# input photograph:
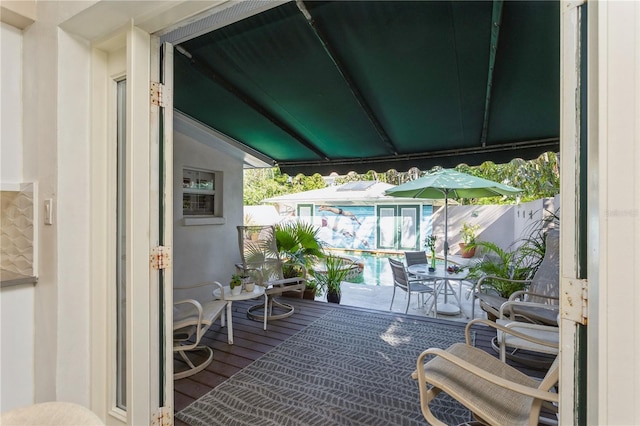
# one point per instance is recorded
(379, 297)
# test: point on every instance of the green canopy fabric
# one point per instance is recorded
(336, 86)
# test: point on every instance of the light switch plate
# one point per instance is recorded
(48, 211)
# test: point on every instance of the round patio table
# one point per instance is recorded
(244, 295)
(421, 270)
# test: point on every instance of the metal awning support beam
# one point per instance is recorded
(496, 19)
(209, 72)
(347, 78)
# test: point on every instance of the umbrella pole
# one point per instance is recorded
(446, 308)
(446, 232)
(446, 238)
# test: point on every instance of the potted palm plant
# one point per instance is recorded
(298, 247)
(330, 279)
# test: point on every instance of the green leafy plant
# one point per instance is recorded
(469, 233)
(430, 243)
(298, 245)
(519, 262)
(236, 280)
(330, 279)
(313, 284)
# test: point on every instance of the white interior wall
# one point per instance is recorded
(206, 252)
(72, 219)
(16, 303)
(40, 152)
(56, 155)
(11, 101)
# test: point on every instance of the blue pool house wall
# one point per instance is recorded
(393, 227)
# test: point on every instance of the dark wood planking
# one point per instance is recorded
(251, 342)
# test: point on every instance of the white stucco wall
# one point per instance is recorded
(16, 303)
(206, 252)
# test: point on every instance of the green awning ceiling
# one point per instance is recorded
(375, 85)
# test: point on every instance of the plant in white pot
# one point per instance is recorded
(247, 283)
(236, 284)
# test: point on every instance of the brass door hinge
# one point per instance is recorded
(160, 257)
(157, 94)
(575, 300)
(162, 417)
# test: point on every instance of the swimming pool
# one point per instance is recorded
(376, 267)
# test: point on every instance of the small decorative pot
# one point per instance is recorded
(249, 286)
(236, 290)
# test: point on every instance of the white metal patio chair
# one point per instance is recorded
(191, 320)
(495, 392)
(261, 260)
(402, 281)
(539, 303)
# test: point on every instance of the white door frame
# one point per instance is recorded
(126, 54)
(569, 158)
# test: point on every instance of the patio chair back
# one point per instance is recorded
(261, 261)
(259, 253)
(415, 257)
(403, 281)
(400, 277)
(546, 281)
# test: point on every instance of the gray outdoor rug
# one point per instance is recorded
(346, 368)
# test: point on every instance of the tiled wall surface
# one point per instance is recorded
(17, 234)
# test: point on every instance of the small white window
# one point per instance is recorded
(199, 196)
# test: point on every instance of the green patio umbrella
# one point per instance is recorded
(447, 183)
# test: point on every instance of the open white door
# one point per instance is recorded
(573, 215)
(162, 216)
(131, 207)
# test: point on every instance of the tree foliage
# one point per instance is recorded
(260, 184)
(538, 178)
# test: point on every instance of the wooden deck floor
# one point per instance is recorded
(251, 342)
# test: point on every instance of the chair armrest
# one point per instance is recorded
(495, 277)
(518, 294)
(497, 380)
(214, 284)
(286, 284)
(507, 329)
(506, 307)
(195, 306)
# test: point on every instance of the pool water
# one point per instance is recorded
(377, 270)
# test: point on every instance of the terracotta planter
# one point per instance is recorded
(309, 294)
(465, 252)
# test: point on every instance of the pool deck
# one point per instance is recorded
(379, 298)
